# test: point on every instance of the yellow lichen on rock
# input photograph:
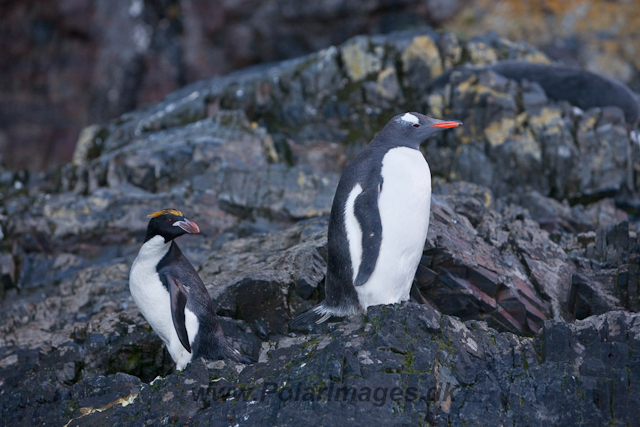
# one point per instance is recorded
(423, 49)
(269, 149)
(537, 57)
(387, 84)
(606, 29)
(547, 119)
(499, 131)
(481, 53)
(465, 86)
(529, 145)
(436, 105)
(358, 61)
(588, 124)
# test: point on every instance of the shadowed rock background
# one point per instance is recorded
(524, 305)
(67, 64)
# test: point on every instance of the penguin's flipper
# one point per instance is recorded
(368, 216)
(178, 304)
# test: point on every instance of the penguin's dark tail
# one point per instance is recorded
(236, 356)
(318, 314)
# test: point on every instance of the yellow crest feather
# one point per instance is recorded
(165, 212)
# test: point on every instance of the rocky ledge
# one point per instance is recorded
(524, 305)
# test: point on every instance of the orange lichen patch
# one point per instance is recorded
(123, 401)
(165, 212)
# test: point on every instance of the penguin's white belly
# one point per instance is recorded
(154, 302)
(404, 205)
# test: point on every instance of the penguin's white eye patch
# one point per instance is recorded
(410, 118)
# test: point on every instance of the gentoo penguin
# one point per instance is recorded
(171, 296)
(578, 87)
(379, 221)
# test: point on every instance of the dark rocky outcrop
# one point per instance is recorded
(581, 34)
(528, 285)
(399, 363)
(66, 64)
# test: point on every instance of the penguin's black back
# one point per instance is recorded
(364, 170)
(209, 342)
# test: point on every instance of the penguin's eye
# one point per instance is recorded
(416, 125)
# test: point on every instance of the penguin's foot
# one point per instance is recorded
(317, 315)
(158, 378)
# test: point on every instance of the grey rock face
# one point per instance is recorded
(528, 280)
(514, 137)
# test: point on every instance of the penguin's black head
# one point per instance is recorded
(169, 223)
(412, 129)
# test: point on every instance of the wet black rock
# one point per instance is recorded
(403, 362)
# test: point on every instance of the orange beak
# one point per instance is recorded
(447, 124)
(188, 226)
